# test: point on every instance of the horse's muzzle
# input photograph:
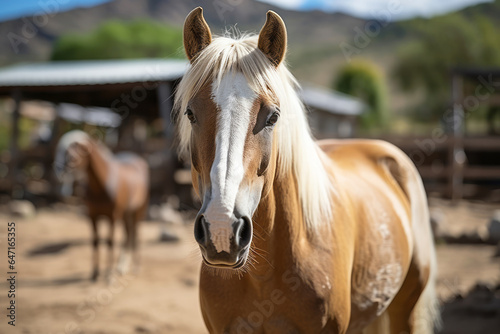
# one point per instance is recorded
(238, 244)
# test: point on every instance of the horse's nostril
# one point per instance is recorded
(243, 232)
(200, 230)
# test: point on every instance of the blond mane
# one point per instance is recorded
(297, 151)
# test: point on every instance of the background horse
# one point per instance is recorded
(296, 236)
(117, 188)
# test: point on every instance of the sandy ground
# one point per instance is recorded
(462, 266)
(54, 295)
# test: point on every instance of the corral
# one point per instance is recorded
(55, 292)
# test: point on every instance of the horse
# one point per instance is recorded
(117, 188)
(295, 236)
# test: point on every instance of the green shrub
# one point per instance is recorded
(364, 80)
(121, 39)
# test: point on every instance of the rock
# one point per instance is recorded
(497, 250)
(438, 221)
(167, 236)
(494, 227)
(154, 212)
(188, 282)
(169, 215)
(22, 209)
(482, 287)
(145, 328)
(166, 212)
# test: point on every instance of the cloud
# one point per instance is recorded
(288, 4)
(400, 9)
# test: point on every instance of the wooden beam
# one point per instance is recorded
(165, 105)
(14, 138)
(490, 143)
(456, 154)
(482, 173)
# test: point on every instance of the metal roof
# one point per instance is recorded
(92, 72)
(331, 101)
(90, 115)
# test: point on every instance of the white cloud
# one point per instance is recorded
(400, 9)
(288, 4)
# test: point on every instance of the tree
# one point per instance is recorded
(364, 80)
(120, 39)
(443, 43)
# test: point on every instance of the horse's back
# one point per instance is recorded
(134, 171)
(370, 171)
(369, 148)
(375, 163)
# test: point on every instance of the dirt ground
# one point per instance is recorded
(54, 294)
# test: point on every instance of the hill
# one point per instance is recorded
(24, 40)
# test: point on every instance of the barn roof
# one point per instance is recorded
(46, 81)
(331, 101)
(92, 72)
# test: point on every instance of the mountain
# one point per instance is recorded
(31, 39)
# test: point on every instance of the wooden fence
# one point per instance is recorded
(455, 167)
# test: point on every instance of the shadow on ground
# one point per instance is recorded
(54, 248)
(478, 312)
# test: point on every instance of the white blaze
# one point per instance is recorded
(234, 99)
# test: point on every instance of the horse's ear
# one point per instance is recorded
(197, 35)
(272, 38)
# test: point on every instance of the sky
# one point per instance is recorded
(397, 9)
(17, 8)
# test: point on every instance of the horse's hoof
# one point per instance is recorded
(124, 264)
(121, 270)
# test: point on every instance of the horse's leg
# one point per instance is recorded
(133, 241)
(139, 215)
(95, 246)
(401, 311)
(125, 254)
(111, 243)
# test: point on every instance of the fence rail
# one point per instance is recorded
(448, 165)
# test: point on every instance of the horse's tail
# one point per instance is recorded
(426, 314)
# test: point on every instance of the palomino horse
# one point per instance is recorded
(117, 188)
(296, 236)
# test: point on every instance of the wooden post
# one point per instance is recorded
(50, 175)
(456, 154)
(14, 139)
(165, 105)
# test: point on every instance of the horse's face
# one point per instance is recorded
(72, 153)
(231, 148)
(231, 153)
(75, 158)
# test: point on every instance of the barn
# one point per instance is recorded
(125, 103)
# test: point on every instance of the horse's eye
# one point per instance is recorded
(190, 116)
(273, 118)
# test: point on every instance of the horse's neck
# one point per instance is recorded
(277, 226)
(99, 167)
